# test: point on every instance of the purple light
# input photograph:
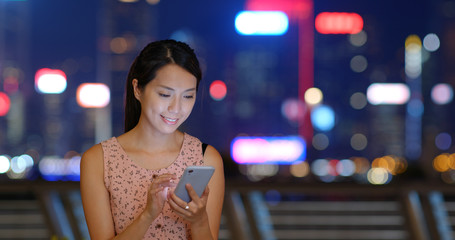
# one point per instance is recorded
(261, 150)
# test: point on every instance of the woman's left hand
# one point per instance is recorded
(194, 211)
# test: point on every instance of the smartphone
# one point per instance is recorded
(198, 177)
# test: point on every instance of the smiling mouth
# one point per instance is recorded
(169, 120)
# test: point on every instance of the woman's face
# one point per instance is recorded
(168, 99)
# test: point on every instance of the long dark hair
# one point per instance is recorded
(153, 57)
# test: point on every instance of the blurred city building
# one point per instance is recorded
(339, 92)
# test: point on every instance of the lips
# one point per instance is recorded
(170, 121)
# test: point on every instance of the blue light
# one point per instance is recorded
(261, 23)
(323, 118)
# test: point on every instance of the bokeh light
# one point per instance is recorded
(323, 118)
(358, 100)
(362, 165)
(393, 164)
(431, 42)
(358, 39)
(5, 104)
(261, 23)
(21, 164)
(359, 141)
(442, 93)
(50, 81)
(413, 56)
(415, 108)
(443, 141)
(313, 96)
(218, 90)
(93, 95)
(4, 164)
(338, 23)
(320, 167)
(119, 45)
(320, 141)
(256, 172)
(293, 109)
(388, 93)
(442, 162)
(359, 63)
(345, 167)
(300, 169)
(257, 150)
(54, 168)
(378, 176)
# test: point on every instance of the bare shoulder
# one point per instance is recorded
(93, 157)
(212, 157)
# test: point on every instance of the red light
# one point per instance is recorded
(5, 104)
(338, 23)
(218, 90)
(293, 8)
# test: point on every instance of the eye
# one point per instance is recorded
(164, 95)
(189, 96)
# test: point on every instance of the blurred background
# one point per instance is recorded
(334, 118)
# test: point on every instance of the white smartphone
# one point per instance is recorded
(198, 177)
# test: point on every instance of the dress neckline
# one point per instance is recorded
(151, 169)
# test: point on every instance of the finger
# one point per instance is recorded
(165, 180)
(178, 207)
(206, 192)
(192, 193)
(165, 176)
(156, 190)
(178, 201)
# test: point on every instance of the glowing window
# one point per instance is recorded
(50, 81)
(260, 150)
(93, 95)
(388, 93)
(261, 23)
(338, 23)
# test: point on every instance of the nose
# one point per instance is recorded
(174, 106)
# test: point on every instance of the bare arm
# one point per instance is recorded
(96, 203)
(204, 213)
(216, 186)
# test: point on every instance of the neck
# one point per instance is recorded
(143, 137)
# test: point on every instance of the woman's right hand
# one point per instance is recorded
(158, 193)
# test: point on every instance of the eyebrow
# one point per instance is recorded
(171, 89)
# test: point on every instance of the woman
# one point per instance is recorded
(127, 181)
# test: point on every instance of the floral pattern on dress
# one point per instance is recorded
(128, 183)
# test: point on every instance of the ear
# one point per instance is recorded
(136, 90)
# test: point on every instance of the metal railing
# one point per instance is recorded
(259, 211)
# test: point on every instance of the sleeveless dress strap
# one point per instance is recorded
(204, 146)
